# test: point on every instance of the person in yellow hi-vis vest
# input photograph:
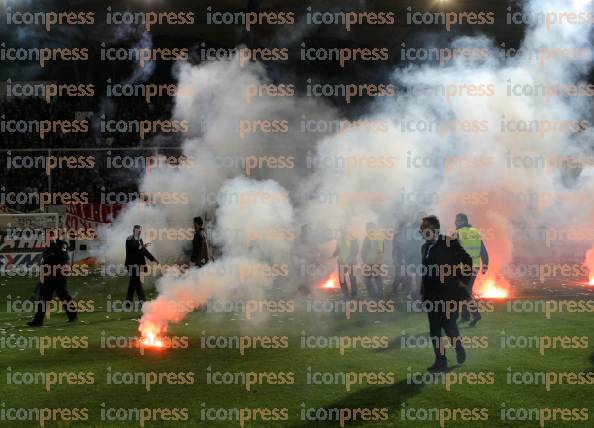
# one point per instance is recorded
(347, 252)
(372, 255)
(472, 242)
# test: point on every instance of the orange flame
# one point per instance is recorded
(488, 288)
(151, 340)
(331, 282)
(589, 264)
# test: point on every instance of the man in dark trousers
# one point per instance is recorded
(54, 273)
(136, 251)
(49, 247)
(446, 270)
(471, 240)
(201, 253)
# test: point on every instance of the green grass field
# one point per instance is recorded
(389, 400)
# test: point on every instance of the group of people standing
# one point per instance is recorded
(137, 253)
(406, 257)
(447, 268)
(465, 250)
(55, 262)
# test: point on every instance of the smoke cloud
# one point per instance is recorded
(463, 163)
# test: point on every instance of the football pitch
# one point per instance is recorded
(298, 368)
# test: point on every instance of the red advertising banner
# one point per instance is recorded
(89, 216)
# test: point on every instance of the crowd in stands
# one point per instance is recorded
(93, 181)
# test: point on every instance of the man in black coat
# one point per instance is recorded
(201, 252)
(54, 273)
(49, 248)
(136, 251)
(446, 269)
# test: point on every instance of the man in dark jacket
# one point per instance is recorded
(136, 251)
(447, 268)
(201, 253)
(49, 248)
(54, 273)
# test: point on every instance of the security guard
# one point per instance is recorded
(471, 240)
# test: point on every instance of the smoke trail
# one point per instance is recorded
(245, 265)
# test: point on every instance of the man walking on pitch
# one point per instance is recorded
(136, 251)
(54, 274)
(446, 269)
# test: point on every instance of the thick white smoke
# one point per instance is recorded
(242, 219)
(220, 99)
(374, 179)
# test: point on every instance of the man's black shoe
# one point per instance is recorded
(34, 324)
(460, 355)
(73, 319)
(439, 366)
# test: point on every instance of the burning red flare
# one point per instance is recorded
(150, 337)
(489, 288)
(331, 282)
(151, 340)
(589, 264)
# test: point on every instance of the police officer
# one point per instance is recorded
(471, 240)
(54, 273)
(136, 251)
